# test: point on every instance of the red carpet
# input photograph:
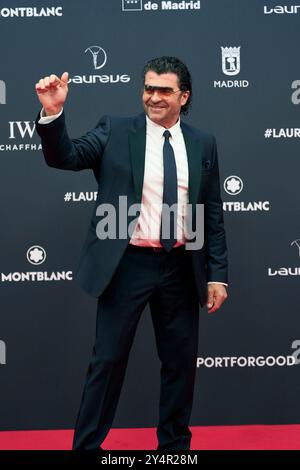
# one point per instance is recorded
(280, 437)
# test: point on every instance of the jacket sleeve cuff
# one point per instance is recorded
(47, 119)
(217, 282)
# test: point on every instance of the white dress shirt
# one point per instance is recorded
(147, 230)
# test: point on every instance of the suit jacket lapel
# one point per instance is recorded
(195, 153)
(137, 146)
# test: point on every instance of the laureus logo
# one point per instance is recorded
(297, 244)
(287, 271)
(282, 9)
(99, 56)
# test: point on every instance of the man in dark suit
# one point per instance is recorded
(157, 162)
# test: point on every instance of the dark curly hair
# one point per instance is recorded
(168, 64)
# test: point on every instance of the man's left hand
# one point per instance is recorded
(217, 294)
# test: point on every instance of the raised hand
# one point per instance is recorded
(52, 93)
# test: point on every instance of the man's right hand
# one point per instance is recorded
(52, 93)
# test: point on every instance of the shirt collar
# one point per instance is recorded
(159, 130)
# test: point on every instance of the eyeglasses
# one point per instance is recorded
(163, 91)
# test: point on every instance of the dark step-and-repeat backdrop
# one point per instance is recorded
(244, 60)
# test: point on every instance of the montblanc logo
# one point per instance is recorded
(2, 92)
(296, 94)
(288, 271)
(30, 12)
(282, 9)
(98, 60)
(233, 185)
(165, 5)
(231, 66)
(36, 255)
(21, 134)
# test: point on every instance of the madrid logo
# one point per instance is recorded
(231, 62)
(231, 66)
(132, 5)
(149, 5)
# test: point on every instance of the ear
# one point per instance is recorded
(184, 97)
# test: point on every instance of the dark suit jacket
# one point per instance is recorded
(115, 151)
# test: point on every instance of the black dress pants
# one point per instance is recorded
(166, 281)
